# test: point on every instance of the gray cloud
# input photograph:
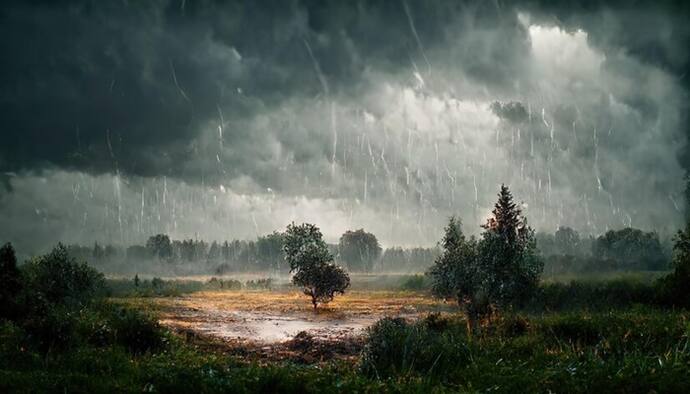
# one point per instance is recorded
(387, 115)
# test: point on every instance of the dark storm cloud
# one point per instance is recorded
(100, 86)
(655, 32)
(514, 112)
(388, 115)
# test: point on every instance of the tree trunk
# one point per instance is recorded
(469, 318)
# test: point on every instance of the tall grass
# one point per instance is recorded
(632, 351)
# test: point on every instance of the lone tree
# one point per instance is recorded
(500, 270)
(312, 264)
(359, 250)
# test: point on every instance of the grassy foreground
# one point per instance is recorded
(60, 333)
(108, 348)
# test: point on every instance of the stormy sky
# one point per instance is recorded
(219, 120)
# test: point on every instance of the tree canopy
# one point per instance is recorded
(312, 264)
(498, 271)
(359, 250)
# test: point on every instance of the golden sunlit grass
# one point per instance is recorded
(356, 302)
(291, 301)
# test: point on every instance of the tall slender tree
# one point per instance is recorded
(508, 254)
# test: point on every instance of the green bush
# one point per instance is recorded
(54, 329)
(592, 295)
(136, 331)
(259, 284)
(155, 287)
(57, 278)
(223, 284)
(415, 283)
(428, 348)
(672, 290)
(13, 347)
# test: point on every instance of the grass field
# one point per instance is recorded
(575, 336)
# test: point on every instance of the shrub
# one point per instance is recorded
(512, 325)
(53, 329)
(136, 331)
(673, 289)
(430, 348)
(57, 278)
(592, 295)
(259, 284)
(415, 283)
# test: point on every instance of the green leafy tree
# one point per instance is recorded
(322, 282)
(673, 288)
(631, 248)
(98, 252)
(58, 279)
(500, 270)
(508, 256)
(312, 264)
(10, 282)
(214, 252)
(567, 241)
(303, 246)
(454, 275)
(159, 246)
(359, 250)
(270, 250)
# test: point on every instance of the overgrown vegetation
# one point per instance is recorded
(636, 350)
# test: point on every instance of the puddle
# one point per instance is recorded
(277, 316)
(265, 327)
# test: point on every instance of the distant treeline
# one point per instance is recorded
(628, 249)
(564, 251)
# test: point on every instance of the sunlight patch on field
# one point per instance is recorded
(274, 316)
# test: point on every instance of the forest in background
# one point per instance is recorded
(565, 251)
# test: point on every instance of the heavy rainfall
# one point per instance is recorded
(356, 186)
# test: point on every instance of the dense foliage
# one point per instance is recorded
(359, 250)
(674, 287)
(312, 264)
(627, 249)
(639, 350)
(58, 279)
(498, 271)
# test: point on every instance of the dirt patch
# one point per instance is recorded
(261, 326)
(282, 325)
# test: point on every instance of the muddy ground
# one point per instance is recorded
(277, 325)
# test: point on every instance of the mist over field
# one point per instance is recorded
(222, 120)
